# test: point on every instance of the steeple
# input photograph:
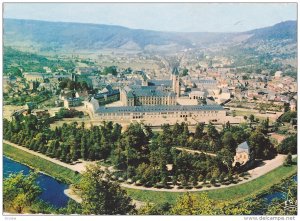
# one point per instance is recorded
(175, 71)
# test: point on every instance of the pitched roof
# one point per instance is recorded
(243, 147)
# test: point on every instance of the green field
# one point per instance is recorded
(235, 193)
(59, 172)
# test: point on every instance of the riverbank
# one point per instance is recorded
(42, 165)
(52, 190)
(76, 167)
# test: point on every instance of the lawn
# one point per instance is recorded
(235, 193)
(61, 173)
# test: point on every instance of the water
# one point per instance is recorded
(279, 195)
(52, 189)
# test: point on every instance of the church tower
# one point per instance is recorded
(175, 82)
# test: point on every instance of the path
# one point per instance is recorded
(79, 167)
(75, 196)
(195, 151)
(268, 166)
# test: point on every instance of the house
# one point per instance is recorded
(72, 102)
(107, 95)
(197, 94)
(293, 105)
(278, 74)
(243, 154)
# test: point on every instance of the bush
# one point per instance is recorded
(288, 161)
(158, 185)
(188, 187)
(138, 183)
(288, 145)
(213, 181)
(148, 184)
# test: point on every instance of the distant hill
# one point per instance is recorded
(281, 31)
(78, 36)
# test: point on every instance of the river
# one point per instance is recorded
(52, 189)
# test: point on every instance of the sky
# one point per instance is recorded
(178, 17)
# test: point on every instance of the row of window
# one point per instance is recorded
(170, 114)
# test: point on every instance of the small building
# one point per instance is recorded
(278, 74)
(72, 102)
(197, 95)
(107, 95)
(293, 105)
(243, 154)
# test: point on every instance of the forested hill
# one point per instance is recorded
(78, 36)
(14, 60)
(281, 31)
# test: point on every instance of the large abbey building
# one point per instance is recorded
(159, 114)
(155, 103)
(146, 96)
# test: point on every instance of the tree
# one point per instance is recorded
(251, 118)
(199, 132)
(20, 191)
(183, 138)
(110, 70)
(200, 204)
(154, 209)
(71, 208)
(287, 116)
(288, 161)
(288, 145)
(228, 142)
(261, 145)
(227, 157)
(189, 204)
(214, 137)
(264, 125)
(102, 196)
